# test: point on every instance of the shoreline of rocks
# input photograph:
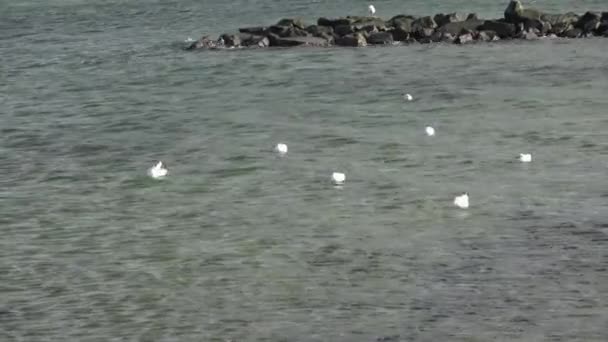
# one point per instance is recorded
(356, 31)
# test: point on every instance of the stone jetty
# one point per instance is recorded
(518, 22)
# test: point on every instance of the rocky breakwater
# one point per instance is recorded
(518, 22)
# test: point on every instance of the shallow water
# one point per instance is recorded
(240, 244)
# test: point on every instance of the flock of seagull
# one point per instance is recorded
(159, 171)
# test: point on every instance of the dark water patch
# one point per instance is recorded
(235, 172)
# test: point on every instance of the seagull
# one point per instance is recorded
(408, 97)
(462, 201)
(158, 171)
(338, 178)
(372, 9)
(430, 131)
(525, 157)
(281, 148)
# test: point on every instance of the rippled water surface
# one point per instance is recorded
(239, 244)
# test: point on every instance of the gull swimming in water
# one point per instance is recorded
(430, 131)
(158, 171)
(372, 9)
(525, 157)
(281, 148)
(462, 201)
(408, 97)
(338, 178)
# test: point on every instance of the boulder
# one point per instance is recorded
(561, 28)
(320, 31)
(251, 40)
(400, 34)
(257, 30)
(472, 16)
(287, 31)
(231, 40)
(442, 19)
(423, 28)
(297, 22)
(515, 12)
(354, 39)
(343, 30)
(530, 35)
(402, 22)
(573, 33)
(297, 41)
(440, 37)
(589, 22)
(334, 22)
(503, 29)
(543, 27)
(602, 29)
(456, 27)
(380, 38)
(556, 19)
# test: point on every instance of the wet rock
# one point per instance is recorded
(456, 27)
(380, 38)
(573, 33)
(602, 29)
(543, 27)
(530, 35)
(250, 40)
(423, 28)
(515, 13)
(442, 19)
(203, 43)
(343, 30)
(256, 30)
(440, 37)
(320, 31)
(334, 22)
(403, 22)
(472, 16)
(297, 22)
(503, 29)
(231, 40)
(297, 41)
(399, 34)
(287, 31)
(354, 39)
(589, 22)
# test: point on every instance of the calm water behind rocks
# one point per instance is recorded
(239, 244)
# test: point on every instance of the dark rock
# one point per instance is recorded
(567, 18)
(472, 16)
(231, 40)
(464, 38)
(297, 41)
(561, 28)
(355, 39)
(297, 22)
(589, 22)
(364, 23)
(423, 28)
(543, 27)
(343, 30)
(368, 30)
(442, 19)
(399, 34)
(403, 22)
(320, 31)
(334, 22)
(287, 31)
(602, 29)
(456, 27)
(515, 13)
(251, 40)
(573, 33)
(380, 38)
(502, 29)
(440, 37)
(258, 30)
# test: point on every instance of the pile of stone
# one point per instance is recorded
(518, 23)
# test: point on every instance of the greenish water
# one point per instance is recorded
(239, 244)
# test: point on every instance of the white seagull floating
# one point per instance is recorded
(408, 97)
(281, 148)
(430, 131)
(372, 9)
(462, 201)
(338, 178)
(525, 157)
(158, 171)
